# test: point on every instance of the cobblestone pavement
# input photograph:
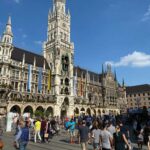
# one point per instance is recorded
(57, 143)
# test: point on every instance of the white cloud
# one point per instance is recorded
(38, 42)
(146, 15)
(17, 1)
(136, 59)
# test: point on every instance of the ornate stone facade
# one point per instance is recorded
(51, 83)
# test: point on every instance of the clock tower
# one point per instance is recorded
(59, 53)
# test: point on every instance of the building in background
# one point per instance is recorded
(138, 96)
(50, 83)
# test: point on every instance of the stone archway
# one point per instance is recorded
(28, 109)
(94, 111)
(49, 112)
(76, 112)
(82, 111)
(15, 109)
(99, 112)
(39, 112)
(64, 107)
(88, 111)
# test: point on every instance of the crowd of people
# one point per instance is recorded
(103, 132)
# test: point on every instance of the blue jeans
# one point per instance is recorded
(22, 145)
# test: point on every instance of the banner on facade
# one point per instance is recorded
(29, 77)
(75, 83)
(49, 80)
(40, 79)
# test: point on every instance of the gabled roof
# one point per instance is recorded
(83, 73)
(138, 89)
(17, 54)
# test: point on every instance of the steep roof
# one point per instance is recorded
(17, 54)
(138, 89)
(83, 72)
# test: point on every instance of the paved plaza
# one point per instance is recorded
(60, 142)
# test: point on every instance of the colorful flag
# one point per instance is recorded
(29, 77)
(40, 79)
(81, 84)
(49, 80)
(75, 83)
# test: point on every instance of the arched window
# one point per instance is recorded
(90, 97)
(66, 91)
(62, 91)
(65, 63)
(67, 81)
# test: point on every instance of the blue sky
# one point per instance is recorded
(103, 31)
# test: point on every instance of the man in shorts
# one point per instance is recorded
(83, 135)
(72, 130)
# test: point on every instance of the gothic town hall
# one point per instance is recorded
(50, 83)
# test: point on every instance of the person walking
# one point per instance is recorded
(119, 142)
(43, 129)
(140, 139)
(83, 135)
(37, 128)
(106, 138)
(23, 136)
(96, 136)
(111, 128)
(72, 131)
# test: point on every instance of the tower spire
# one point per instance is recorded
(102, 68)
(115, 75)
(9, 21)
(123, 83)
(8, 35)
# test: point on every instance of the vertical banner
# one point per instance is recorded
(81, 84)
(40, 79)
(75, 83)
(49, 80)
(21, 79)
(29, 77)
(86, 82)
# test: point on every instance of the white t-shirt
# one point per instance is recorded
(96, 134)
(106, 136)
(111, 129)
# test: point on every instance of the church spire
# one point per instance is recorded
(115, 75)
(8, 35)
(123, 83)
(102, 68)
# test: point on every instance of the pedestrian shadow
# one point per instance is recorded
(64, 141)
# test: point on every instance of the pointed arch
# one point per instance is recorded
(28, 109)
(15, 109)
(49, 112)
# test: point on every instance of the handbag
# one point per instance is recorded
(46, 135)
